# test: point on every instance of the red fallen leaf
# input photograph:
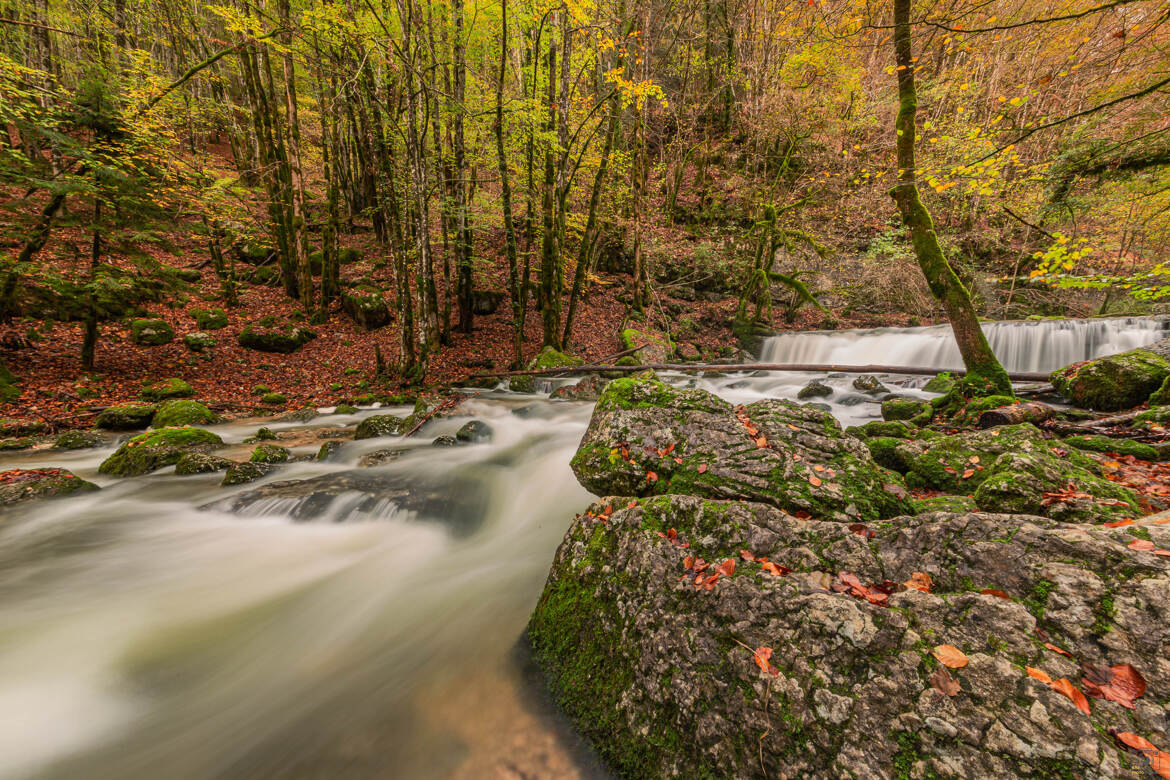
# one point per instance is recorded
(1064, 687)
(793, 427)
(1161, 552)
(709, 583)
(608, 510)
(818, 467)
(950, 469)
(999, 594)
(942, 682)
(775, 569)
(698, 582)
(1144, 545)
(875, 597)
(949, 655)
(1120, 523)
(761, 656)
(861, 529)
(761, 442)
(849, 579)
(968, 473)
(671, 534)
(747, 555)
(1038, 674)
(651, 476)
(669, 449)
(727, 568)
(701, 565)
(1121, 683)
(677, 460)
(631, 505)
(973, 459)
(814, 481)
(689, 562)
(1159, 759)
(1056, 649)
(702, 468)
(919, 581)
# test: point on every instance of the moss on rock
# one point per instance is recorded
(79, 440)
(209, 319)
(1109, 444)
(175, 413)
(168, 388)
(126, 418)
(379, 425)
(270, 334)
(902, 408)
(270, 453)
(1017, 483)
(201, 463)
(156, 449)
(1113, 383)
(19, 485)
(151, 332)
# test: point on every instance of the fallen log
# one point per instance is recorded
(1032, 412)
(740, 367)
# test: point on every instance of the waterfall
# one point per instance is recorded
(1044, 345)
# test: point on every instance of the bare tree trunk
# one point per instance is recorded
(514, 282)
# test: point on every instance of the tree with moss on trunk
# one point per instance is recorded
(985, 375)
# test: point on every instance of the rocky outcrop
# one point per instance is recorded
(270, 334)
(151, 333)
(818, 664)
(1114, 382)
(153, 450)
(20, 485)
(125, 418)
(174, 413)
(649, 438)
(366, 306)
(587, 389)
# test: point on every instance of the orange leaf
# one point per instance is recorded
(793, 427)
(651, 476)
(1121, 683)
(761, 442)
(920, 581)
(1056, 649)
(1159, 759)
(942, 682)
(747, 555)
(702, 468)
(775, 570)
(689, 562)
(1145, 545)
(1065, 687)
(999, 594)
(1120, 523)
(814, 481)
(1038, 674)
(727, 568)
(968, 473)
(818, 467)
(761, 656)
(949, 655)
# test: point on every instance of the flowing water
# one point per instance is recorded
(167, 627)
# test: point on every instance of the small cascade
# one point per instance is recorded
(1044, 345)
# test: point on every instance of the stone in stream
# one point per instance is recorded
(587, 389)
(154, 450)
(869, 384)
(378, 458)
(172, 413)
(270, 453)
(445, 441)
(1117, 381)
(903, 407)
(474, 432)
(663, 677)
(201, 463)
(20, 485)
(647, 437)
(328, 450)
(456, 499)
(79, 440)
(126, 418)
(814, 389)
(249, 471)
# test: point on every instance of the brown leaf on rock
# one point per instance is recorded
(1121, 683)
(1038, 674)
(1159, 759)
(727, 568)
(942, 682)
(814, 481)
(920, 580)
(775, 569)
(999, 594)
(1065, 687)
(951, 656)
(702, 468)
(1056, 649)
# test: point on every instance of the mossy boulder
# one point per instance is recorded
(153, 450)
(524, 383)
(960, 463)
(201, 463)
(903, 408)
(328, 450)
(588, 388)
(19, 485)
(1155, 420)
(1113, 445)
(551, 358)
(474, 432)
(1161, 396)
(366, 306)
(270, 453)
(1037, 483)
(274, 399)
(176, 413)
(648, 438)
(269, 334)
(17, 444)
(262, 434)
(944, 504)
(151, 332)
(940, 383)
(345, 409)
(79, 440)
(814, 389)
(969, 413)
(209, 319)
(13, 426)
(199, 341)
(168, 388)
(655, 347)
(870, 385)
(380, 425)
(9, 387)
(241, 473)
(126, 418)
(1113, 383)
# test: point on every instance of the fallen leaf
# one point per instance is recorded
(968, 473)
(1056, 649)
(814, 481)
(920, 581)
(727, 568)
(949, 655)
(651, 476)
(942, 682)
(761, 442)
(702, 468)
(775, 570)
(1145, 545)
(689, 562)
(1120, 523)
(631, 505)
(709, 584)
(761, 656)
(1122, 683)
(999, 594)
(1038, 674)
(1065, 687)
(747, 555)
(1159, 759)
(861, 529)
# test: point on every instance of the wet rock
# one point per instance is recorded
(262, 434)
(270, 334)
(474, 432)
(587, 389)
(869, 384)
(940, 383)
(445, 441)
(125, 418)
(150, 333)
(328, 450)
(241, 473)
(815, 389)
(1114, 382)
(270, 453)
(903, 408)
(201, 463)
(807, 463)
(174, 413)
(457, 499)
(302, 415)
(661, 677)
(853, 399)
(20, 485)
(379, 458)
(655, 347)
(344, 409)
(528, 411)
(79, 440)
(154, 450)
(524, 383)
(17, 444)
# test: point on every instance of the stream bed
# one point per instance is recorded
(166, 626)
